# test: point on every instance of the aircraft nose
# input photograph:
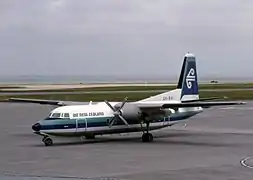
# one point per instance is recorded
(36, 127)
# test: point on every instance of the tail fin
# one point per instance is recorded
(187, 87)
(188, 80)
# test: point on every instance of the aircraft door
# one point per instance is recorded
(81, 125)
(166, 120)
(77, 125)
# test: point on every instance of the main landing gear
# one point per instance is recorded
(47, 141)
(147, 137)
(90, 136)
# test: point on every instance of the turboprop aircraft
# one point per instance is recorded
(145, 115)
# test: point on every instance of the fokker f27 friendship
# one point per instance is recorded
(145, 115)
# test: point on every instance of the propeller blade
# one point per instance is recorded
(122, 104)
(117, 112)
(123, 120)
(108, 104)
(112, 122)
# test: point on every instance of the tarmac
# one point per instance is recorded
(216, 144)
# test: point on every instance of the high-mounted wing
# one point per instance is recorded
(186, 104)
(45, 101)
(201, 104)
(37, 101)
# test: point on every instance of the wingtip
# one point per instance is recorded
(242, 103)
(12, 99)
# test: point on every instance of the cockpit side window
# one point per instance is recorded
(53, 116)
(56, 115)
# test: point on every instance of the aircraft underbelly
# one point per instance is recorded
(124, 128)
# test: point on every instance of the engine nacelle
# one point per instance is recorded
(131, 111)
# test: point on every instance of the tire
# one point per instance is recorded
(147, 137)
(48, 141)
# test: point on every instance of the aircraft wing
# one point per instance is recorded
(44, 101)
(37, 101)
(144, 106)
(140, 105)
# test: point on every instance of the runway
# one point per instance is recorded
(213, 145)
(112, 92)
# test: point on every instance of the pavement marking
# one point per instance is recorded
(236, 108)
(244, 162)
(45, 176)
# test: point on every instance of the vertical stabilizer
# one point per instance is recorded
(188, 80)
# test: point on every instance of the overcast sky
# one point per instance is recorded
(121, 37)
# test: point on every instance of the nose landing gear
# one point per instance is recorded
(47, 141)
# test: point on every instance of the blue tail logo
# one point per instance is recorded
(190, 78)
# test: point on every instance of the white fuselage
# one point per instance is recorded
(78, 120)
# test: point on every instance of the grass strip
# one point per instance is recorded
(232, 95)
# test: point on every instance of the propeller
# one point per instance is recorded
(117, 112)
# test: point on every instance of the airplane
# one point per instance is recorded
(72, 119)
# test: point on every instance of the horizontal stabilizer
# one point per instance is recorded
(205, 99)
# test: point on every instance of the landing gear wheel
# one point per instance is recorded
(147, 137)
(47, 141)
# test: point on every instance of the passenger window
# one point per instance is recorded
(66, 115)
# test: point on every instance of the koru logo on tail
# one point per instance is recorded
(190, 78)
